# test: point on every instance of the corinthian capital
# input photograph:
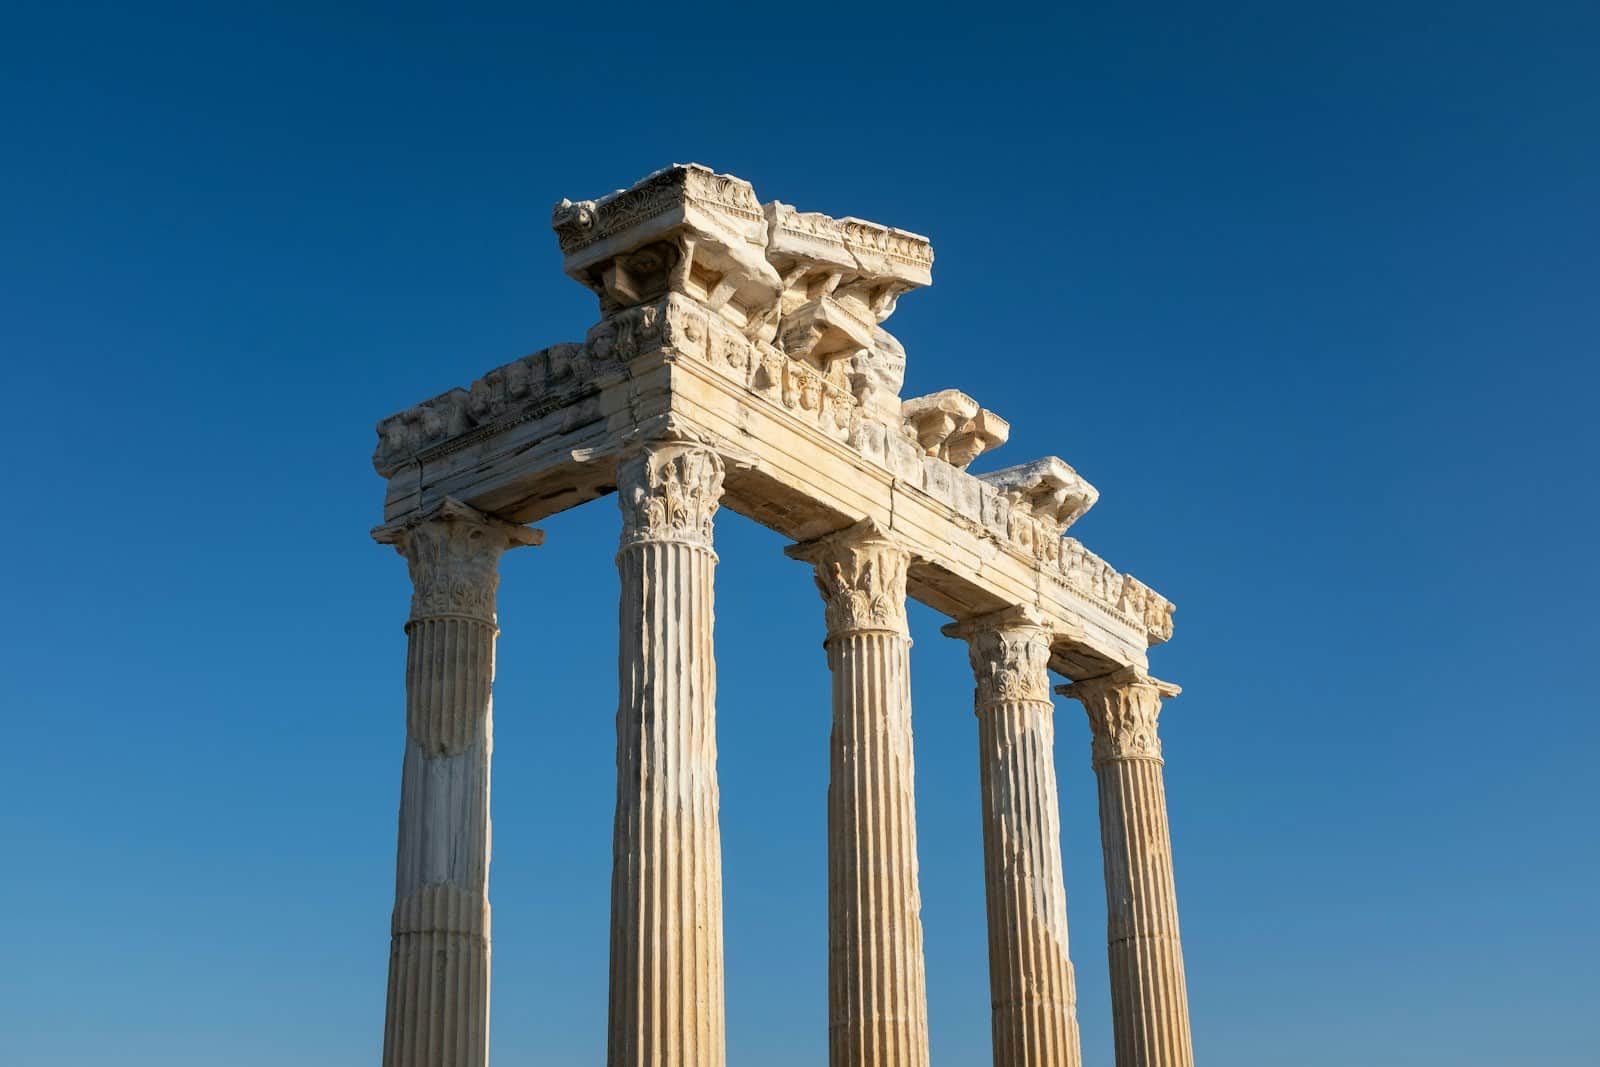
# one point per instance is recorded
(1123, 707)
(861, 574)
(670, 492)
(1010, 653)
(453, 554)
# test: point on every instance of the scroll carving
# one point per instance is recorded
(670, 492)
(1123, 708)
(861, 575)
(1010, 656)
(453, 554)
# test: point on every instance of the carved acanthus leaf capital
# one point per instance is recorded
(1123, 708)
(670, 492)
(861, 574)
(1010, 653)
(453, 554)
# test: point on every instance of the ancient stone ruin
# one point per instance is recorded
(741, 361)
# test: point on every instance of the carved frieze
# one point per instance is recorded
(808, 393)
(895, 257)
(670, 492)
(842, 273)
(1154, 611)
(1123, 708)
(1047, 488)
(523, 389)
(1024, 506)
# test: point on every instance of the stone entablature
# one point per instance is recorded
(682, 229)
(1024, 508)
(741, 361)
(788, 306)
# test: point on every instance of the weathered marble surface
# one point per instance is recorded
(438, 1003)
(666, 889)
(877, 996)
(544, 433)
(1032, 989)
(742, 361)
(1149, 997)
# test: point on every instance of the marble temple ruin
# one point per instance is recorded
(741, 361)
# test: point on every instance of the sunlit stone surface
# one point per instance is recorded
(741, 360)
(1149, 999)
(439, 952)
(666, 888)
(877, 1000)
(1030, 974)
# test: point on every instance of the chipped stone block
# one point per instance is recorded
(683, 229)
(1049, 487)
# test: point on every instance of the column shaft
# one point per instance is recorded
(666, 1007)
(1031, 982)
(437, 1012)
(877, 998)
(1149, 1000)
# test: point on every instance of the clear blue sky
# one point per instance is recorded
(1309, 292)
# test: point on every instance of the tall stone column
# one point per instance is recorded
(438, 1004)
(877, 999)
(1031, 983)
(1149, 1003)
(666, 885)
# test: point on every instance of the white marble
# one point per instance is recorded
(877, 997)
(666, 887)
(1032, 988)
(438, 1001)
(1149, 997)
(742, 359)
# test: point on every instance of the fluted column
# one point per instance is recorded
(666, 886)
(438, 1002)
(877, 1000)
(1031, 985)
(1149, 1003)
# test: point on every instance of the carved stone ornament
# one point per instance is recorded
(453, 553)
(670, 492)
(523, 390)
(949, 425)
(1048, 488)
(1123, 707)
(876, 375)
(683, 229)
(787, 308)
(1010, 653)
(861, 574)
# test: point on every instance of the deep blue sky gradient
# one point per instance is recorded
(1309, 292)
